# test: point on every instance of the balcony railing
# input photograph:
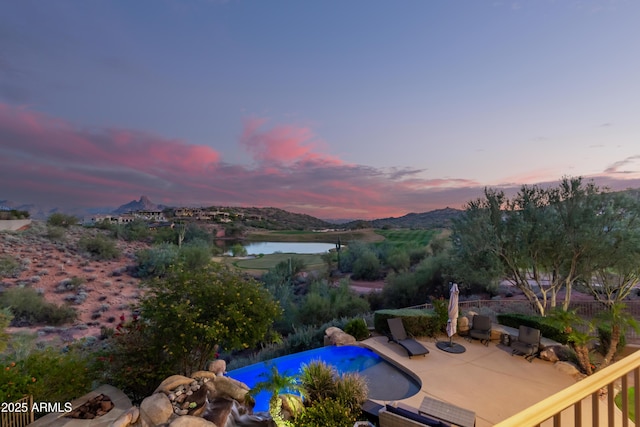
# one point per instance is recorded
(18, 413)
(589, 402)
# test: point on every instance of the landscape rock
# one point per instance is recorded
(567, 368)
(336, 336)
(218, 366)
(191, 421)
(555, 353)
(224, 387)
(172, 382)
(156, 409)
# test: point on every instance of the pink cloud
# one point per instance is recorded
(47, 160)
(281, 144)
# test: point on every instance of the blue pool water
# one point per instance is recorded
(385, 381)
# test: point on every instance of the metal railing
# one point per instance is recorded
(589, 402)
(18, 413)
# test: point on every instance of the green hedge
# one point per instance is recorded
(419, 323)
(514, 320)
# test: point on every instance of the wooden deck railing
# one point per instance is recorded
(18, 413)
(589, 402)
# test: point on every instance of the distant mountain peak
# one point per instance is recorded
(144, 204)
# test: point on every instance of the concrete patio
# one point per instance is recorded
(487, 380)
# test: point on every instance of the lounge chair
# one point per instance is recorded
(481, 329)
(399, 336)
(527, 343)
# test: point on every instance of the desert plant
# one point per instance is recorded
(318, 380)
(27, 306)
(9, 266)
(327, 412)
(210, 306)
(99, 247)
(48, 375)
(358, 328)
(155, 262)
(5, 321)
(61, 220)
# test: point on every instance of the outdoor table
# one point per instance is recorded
(447, 412)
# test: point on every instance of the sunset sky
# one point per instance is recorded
(339, 109)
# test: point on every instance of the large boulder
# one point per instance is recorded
(227, 388)
(555, 353)
(191, 421)
(336, 336)
(218, 366)
(156, 409)
(568, 368)
(172, 382)
(127, 418)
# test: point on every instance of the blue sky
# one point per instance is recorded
(358, 109)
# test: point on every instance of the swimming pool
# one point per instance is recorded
(385, 381)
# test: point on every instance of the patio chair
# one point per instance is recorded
(399, 336)
(481, 329)
(527, 343)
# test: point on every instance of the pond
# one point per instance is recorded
(266, 248)
(385, 381)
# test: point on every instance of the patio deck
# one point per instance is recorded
(486, 380)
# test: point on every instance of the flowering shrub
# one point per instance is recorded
(48, 375)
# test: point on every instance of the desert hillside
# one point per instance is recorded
(53, 265)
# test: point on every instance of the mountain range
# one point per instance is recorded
(270, 218)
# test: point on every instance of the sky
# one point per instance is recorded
(338, 109)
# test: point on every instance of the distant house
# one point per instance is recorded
(150, 215)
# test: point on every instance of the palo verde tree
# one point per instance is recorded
(190, 311)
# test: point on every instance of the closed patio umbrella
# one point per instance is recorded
(452, 323)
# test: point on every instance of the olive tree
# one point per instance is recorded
(543, 240)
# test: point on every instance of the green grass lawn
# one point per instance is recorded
(265, 262)
(631, 399)
(404, 237)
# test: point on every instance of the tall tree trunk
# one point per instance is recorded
(613, 345)
(582, 353)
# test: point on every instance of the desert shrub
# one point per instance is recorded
(367, 267)
(318, 380)
(155, 262)
(238, 250)
(61, 220)
(165, 235)
(48, 375)
(132, 359)
(351, 389)
(331, 399)
(55, 233)
(136, 230)
(27, 306)
(210, 306)
(5, 320)
(547, 327)
(9, 266)
(327, 413)
(99, 247)
(397, 259)
(416, 322)
(410, 288)
(195, 254)
(358, 328)
(323, 303)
